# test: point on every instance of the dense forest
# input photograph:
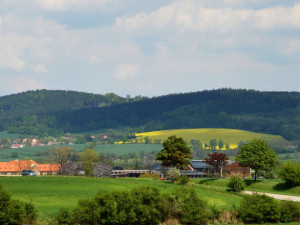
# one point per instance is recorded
(266, 112)
(49, 101)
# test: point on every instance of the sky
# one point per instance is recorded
(149, 48)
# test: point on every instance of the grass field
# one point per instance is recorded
(5, 134)
(51, 193)
(230, 136)
(262, 185)
(36, 152)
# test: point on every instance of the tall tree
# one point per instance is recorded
(257, 155)
(213, 144)
(175, 153)
(89, 157)
(61, 155)
(217, 161)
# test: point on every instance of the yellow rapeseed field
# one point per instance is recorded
(231, 136)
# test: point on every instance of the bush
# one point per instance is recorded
(184, 180)
(290, 212)
(63, 217)
(185, 205)
(14, 211)
(31, 213)
(140, 206)
(173, 174)
(236, 184)
(290, 173)
(259, 209)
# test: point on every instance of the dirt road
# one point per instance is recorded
(279, 197)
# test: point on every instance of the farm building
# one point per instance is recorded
(15, 167)
(235, 169)
(199, 168)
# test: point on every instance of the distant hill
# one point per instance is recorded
(231, 136)
(50, 101)
(264, 112)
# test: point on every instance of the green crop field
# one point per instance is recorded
(230, 136)
(36, 152)
(5, 134)
(51, 193)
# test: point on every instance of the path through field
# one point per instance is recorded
(279, 197)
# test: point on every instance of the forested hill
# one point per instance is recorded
(267, 112)
(51, 101)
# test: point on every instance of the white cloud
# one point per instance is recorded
(193, 16)
(10, 58)
(40, 68)
(126, 72)
(64, 5)
(184, 42)
(21, 83)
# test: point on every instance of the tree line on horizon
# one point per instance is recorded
(264, 112)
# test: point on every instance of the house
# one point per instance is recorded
(23, 164)
(7, 168)
(235, 168)
(46, 169)
(15, 167)
(189, 171)
(17, 146)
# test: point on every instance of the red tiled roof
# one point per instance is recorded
(7, 167)
(48, 167)
(19, 162)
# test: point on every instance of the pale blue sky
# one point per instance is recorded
(149, 48)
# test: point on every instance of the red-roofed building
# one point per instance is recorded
(7, 168)
(23, 164)
(46, 169)
(15, 167)
(236, 169)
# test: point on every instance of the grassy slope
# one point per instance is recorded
(262, 185)
(232, 136)
(37, 152)
(51, 193)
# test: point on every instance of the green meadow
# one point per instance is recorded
(50, 193)
(275, 186)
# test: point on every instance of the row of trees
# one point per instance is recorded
(86, 160)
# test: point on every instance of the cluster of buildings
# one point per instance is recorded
(197, 169)
(19, 143)
(15, 167)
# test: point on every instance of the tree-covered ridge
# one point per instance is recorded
(265, 112)
(50, 101)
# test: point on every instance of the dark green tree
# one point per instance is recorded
(257, 155)
(175, 153)
(213, 144)
(221, 144)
